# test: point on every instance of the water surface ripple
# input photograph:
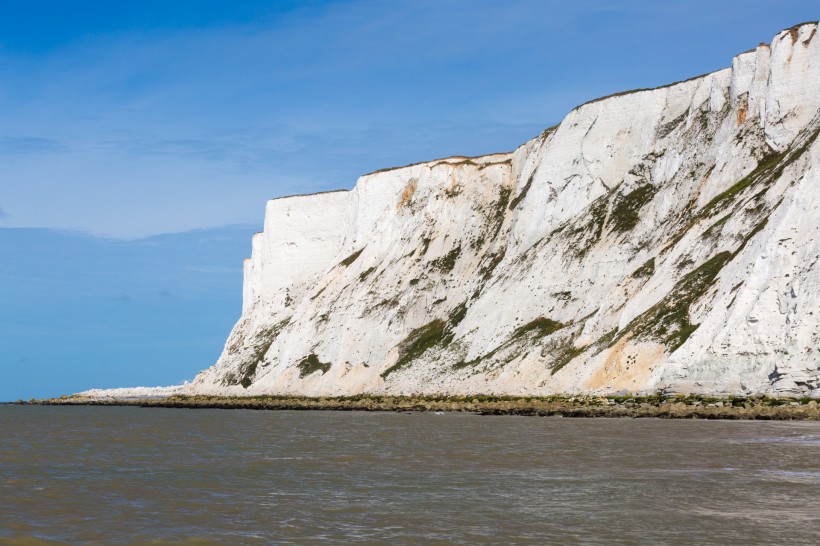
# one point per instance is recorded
(113, 475)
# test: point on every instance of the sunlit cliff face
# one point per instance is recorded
(656, 239)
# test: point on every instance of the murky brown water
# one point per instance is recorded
(130, 475)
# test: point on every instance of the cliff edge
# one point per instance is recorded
(657, 239)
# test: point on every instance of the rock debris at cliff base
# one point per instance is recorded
(654, 406)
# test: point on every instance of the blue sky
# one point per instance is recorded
(125, 120)
(80, 311)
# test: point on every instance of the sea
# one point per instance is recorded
(128, 475)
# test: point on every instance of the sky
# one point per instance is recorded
(124, 122)
(80, 311)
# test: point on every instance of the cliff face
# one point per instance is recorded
(664, 238)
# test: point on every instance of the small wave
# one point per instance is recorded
(795, 475)
(800, 440)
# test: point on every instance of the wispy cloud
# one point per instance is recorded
(29, 145)
(3, 214)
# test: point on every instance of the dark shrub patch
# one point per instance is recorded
(311, 364)
(625, 213)
(418, 341)
(352, 258)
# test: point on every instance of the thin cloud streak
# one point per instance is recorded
(14, 146)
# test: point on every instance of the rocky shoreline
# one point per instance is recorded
(658, 406)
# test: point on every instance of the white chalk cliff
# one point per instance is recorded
(657, 239)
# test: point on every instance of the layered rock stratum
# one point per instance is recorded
(659, 239)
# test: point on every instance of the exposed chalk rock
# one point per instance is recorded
(656, 239)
